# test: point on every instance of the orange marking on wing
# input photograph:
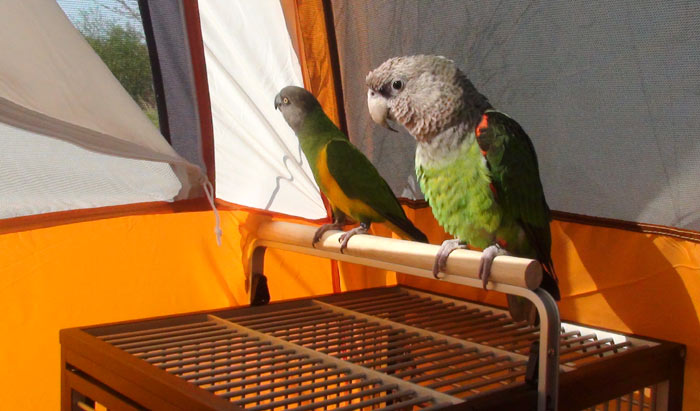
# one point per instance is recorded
(493, 189)
(335, 194)
(483, 124)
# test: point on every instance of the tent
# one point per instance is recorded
(106, 217)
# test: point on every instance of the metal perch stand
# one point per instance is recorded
(510, 275)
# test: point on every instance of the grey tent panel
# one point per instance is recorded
(170, 32)
(608, 91)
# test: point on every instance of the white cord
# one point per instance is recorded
(209, 191)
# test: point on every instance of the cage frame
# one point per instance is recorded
(94, 370)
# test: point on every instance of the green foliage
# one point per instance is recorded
(152, 113)
(123, 49)
(127, 57)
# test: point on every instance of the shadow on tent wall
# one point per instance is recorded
(629, 283)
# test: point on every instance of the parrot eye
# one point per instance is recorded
(397, 84)
(285, 100)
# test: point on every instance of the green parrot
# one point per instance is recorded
(345, 176)
(475, 165)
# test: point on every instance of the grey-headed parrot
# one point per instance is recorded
(475, 165)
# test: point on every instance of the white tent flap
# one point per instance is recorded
(38, 178)
(52, 83)
(249, 58)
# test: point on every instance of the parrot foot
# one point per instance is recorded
(322, 230)
(446, 248)
(343, 239)
(487, 257)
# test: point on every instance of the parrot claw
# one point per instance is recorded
(446, 248)
(487, 257)
(345, 237)
(323, 229)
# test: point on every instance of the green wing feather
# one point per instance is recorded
(359, 179)
(515, 174)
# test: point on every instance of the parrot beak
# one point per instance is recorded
(278, 101)
(378, 109)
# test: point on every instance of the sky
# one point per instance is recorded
(73, 8)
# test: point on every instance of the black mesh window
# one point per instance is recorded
(608, 92)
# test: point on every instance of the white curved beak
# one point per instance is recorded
(378, 109)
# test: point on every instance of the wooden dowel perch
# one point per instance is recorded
(397, 255)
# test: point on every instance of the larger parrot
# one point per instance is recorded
(475, 165)
(346, 177)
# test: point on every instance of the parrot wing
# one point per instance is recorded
(515, 175)
(360, 180)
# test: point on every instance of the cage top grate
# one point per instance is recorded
(393, 348)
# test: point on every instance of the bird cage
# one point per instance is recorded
(392, 348)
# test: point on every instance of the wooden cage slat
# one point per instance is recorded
(449, 317)
(344, 388)
(469, 375)
(437, 363)
(274, 320)
(249, 381)
(274, 385)
(309, 323)
(484, 382)
(243, 356)
(310, 332)
(390, 308)
(248, 347)
(597, 351)
(194, 325)
(377, 332)
(373, 350)
(215, 375)
(394, 397)
(146, 355)
(302, 388)
(393, 300)
(475, 365)
(586, 346)
(164, 334)
(262, 317)
(161, 343)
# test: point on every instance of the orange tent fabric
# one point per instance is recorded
(118, 269)
(149, 265)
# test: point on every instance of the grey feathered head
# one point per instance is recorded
(425, 94)
(295, 103)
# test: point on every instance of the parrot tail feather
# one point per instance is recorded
(405, 229)
(549, 284)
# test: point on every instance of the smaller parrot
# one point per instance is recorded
(345, 176)
(475, 165)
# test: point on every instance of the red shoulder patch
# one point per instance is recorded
(493, 190)
(483, 124)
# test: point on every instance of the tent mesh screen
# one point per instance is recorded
(115, 31)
